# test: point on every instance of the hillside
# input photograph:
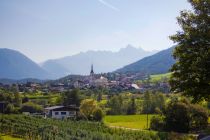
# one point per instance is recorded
(56, 69)
(158, 63)
(15, 65)
(103, 61)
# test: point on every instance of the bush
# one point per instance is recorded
(177, 117)
(98, 114)
(157, 123)
(199, 117)
(87, 107)
(9, 109)
(31, 107)
(181, 117)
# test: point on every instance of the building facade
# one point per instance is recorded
(61, 112)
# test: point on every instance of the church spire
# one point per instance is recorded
(91, 72)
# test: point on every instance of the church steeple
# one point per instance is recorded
(91, 72)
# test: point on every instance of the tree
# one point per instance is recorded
(99, 98)
(147, 103)
(98, 114)
(191, 72)
(116, 105)
(131, 107)
(17, 99)
(199, 117)
(157, 123)
(177, 117)
(87, 108)
(72, 97)
(182, 116)
(31, 107)
(9, 109)
(25, 99)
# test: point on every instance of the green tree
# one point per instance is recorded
(25, 99)
(116, 105)
(184, 117)
(191, 72)
(131, 107)
(31, 107)
(99, 98)
(87, 108)
(9, 109)
(199, 117)
(17, 99)
(157, 123)
(147, 103)
(72, 97)
(177, 117)
(98, 114)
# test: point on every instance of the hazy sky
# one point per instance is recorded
(47, 29)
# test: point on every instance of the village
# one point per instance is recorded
(114, 82)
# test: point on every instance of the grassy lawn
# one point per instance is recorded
(127, 121)
(159, 77)
(9, 138)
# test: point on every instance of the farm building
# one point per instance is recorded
(61, 112)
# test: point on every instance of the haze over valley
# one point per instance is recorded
(103, 61)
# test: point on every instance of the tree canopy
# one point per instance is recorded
(191, 72)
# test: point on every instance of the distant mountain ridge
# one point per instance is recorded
(103, 61)
(14, 65)
(158, 63)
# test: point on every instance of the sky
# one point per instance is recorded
(49, 29)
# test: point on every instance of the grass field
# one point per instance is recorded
(128, 121)
(159, 77)
(9, 138)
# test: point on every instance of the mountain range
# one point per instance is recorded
(103, 61)
(158, 63)
(14, 65)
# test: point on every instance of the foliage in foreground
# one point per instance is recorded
(32, 128)
(191, 72)
(182, 117)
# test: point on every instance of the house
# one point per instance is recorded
(79, 84)
(61, 112)
(101, 82)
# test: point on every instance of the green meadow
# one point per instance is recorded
(128, 121)
(159, 77)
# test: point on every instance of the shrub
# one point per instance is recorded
(9, 109)
(177, 117)
(199, 117)
(31, 107)
(157, 123)
(98, 114)
(87, 107)
(181, 117)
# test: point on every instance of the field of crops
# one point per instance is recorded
(128, 121)
(30, 128)
(33, 128)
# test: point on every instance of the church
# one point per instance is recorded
(97, 82)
